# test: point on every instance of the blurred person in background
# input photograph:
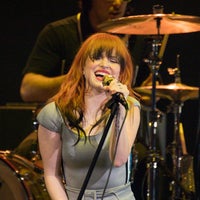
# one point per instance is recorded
(58, 43)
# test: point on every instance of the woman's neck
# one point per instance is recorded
(94, 101)
(92, 112)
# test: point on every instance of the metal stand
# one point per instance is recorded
(181, 187)
(113, 104)
(153, 158)
(179, 190)
(152, 164)
(176, 152)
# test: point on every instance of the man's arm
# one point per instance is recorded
(39, 88)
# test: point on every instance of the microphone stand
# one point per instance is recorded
(113, 104)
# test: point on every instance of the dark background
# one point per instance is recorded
(21, 22)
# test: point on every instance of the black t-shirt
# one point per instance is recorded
(55, 48)
(59, 41)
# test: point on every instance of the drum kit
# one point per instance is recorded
(158, 24)
(24, 173)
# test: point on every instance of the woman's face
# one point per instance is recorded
(96, 68)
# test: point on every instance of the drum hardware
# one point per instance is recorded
(154, 61)
(20, 178)
(178, 188)
(147, 24)
(186, 165)
(153, 155)
(153, 158)
(175, 91)
(21, 170)
(28, 147)
(182, 184)
(182, 162)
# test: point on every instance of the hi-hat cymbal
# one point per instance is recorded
(173, 91)
(146, 24)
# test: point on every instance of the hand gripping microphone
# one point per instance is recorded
(118, 96)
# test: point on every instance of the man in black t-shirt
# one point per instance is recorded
(58, 43)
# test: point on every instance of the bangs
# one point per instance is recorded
(107, 46)
(100, 44)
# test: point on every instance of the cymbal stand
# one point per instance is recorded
(176, 152)
(154, 63)
(178, 190)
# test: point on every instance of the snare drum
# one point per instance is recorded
(20, 179)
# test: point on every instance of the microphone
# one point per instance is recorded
(107, 79)
(118, 96)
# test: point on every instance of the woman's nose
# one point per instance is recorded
(105, 63)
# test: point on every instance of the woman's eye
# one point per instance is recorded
(96, 57)
(114, 59)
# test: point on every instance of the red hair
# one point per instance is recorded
(70, 97)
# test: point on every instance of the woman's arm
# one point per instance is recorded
(50, 149)
(130, 127)
(127, 135)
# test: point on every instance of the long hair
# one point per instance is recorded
(70, 97)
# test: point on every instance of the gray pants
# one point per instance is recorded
(123, 192)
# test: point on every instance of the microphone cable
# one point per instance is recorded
(115, 151)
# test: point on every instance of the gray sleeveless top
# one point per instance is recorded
(77, 158)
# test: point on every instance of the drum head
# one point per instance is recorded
(11, 187)
(20, 179)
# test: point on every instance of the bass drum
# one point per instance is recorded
(20, 179)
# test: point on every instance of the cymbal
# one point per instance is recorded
(173, 91)
(147, 25)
